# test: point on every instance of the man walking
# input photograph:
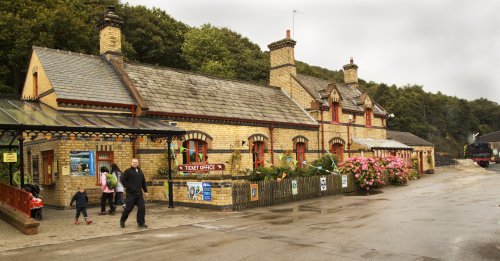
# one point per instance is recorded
(134, 182)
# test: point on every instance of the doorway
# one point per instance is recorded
(47, 167)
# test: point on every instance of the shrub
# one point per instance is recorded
(366, 172)
(395, 166)
(323, 166)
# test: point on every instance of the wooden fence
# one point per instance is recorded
(272, 192)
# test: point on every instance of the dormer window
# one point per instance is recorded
(335, 112)
(368, 117)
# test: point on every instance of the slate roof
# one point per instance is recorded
(352, 97)
(380, 144)
(82, 77)
(407, 138)
(175, 91)
(490, 137)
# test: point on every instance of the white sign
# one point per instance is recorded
(294, 187)
(344, 181)
(322, 183)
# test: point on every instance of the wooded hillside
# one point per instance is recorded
(152, 36)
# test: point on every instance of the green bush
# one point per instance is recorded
(320, 167)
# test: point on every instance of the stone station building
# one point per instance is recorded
(224, 119)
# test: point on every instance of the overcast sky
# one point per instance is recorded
(452, 46)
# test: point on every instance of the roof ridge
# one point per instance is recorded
(323, 79)
(34, 47)
(199, 74)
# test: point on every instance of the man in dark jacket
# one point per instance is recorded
(134, 182)
(81, 205)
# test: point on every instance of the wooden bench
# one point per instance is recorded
(19, 220)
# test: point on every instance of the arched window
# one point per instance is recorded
(258, 154)
(335, 112)
(301, 154)
(368, 117)
(338, 150)
(195, 151)
(35, 85)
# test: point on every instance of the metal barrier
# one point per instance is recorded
(16, 198)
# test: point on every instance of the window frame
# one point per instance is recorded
(99, 159)
(338, 150)
(335, 112)
(258, 148)
(186, 156)
(368, 117)
(35, 85)
(300, 153)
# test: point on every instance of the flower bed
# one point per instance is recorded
(366, 171)
(396, 169)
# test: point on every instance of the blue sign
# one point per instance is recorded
(91, 163)
(207, 191)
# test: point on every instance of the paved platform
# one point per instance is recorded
(58, 226)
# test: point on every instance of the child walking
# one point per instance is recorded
(81, 205)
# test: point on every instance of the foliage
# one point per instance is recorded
(396, 169)
(366, 171)
(319, 72)
(163, 169)
(445, 121)
(324, 165)
(413, 173)
(235, 161)
(224, 53)
(152, 36)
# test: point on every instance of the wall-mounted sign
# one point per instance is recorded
(82, 163)
(344, 181)
(201, 168)
(10, 157)
(322, 183)
(295, 190)
(254, 192)
(207, 191)
(65, 170)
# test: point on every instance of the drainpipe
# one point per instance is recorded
(271, 128)
(134, 139)
(322, 132)
(21, 156)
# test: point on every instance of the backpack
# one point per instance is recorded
(111, 181)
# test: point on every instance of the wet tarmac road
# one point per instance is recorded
(451, 215)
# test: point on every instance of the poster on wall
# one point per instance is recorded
(82, 163)
(195, 190)
(322, 183)
(294, 187)
(254, 192)
(207, 191)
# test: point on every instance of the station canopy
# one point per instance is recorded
(35, 118)
(381, 144)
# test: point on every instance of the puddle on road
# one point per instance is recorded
(364, 193)
(489, 251)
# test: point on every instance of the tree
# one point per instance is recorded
(224, 53)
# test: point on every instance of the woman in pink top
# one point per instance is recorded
(107, 193)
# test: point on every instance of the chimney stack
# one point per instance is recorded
(351, 73)
(282, 63)
(110, 36)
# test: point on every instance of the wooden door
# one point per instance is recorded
(47, 166)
